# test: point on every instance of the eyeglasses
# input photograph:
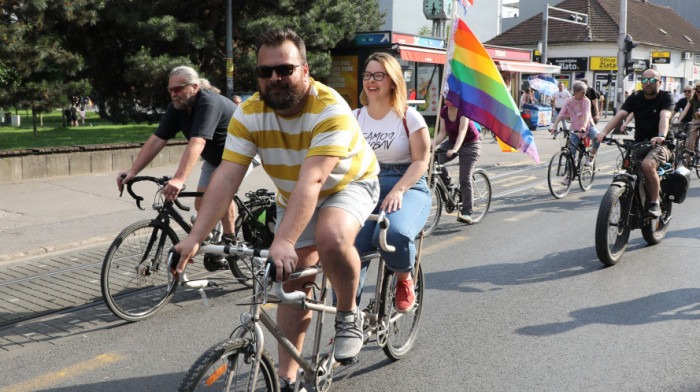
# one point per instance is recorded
(265, 72)
(177, 89)
(649, 80)
(688, 91)
(378, 76)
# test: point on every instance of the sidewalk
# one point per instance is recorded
(43, 216)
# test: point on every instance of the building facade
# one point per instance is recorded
(667, 42)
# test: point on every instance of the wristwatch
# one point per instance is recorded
(662, 135)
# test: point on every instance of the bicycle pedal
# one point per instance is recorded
(349, 361)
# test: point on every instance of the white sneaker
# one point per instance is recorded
(348, 335)
(590, 160)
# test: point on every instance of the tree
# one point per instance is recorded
(37, 65)
(130, 52)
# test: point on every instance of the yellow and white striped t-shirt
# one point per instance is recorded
(325, 126)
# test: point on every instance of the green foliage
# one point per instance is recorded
(120, 52)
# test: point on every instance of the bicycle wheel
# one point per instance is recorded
(559, 174)
(587, 173)
(135, 279)
(481, 187)
(562, 138)
(435, 209)
(611, 234)
(655, 229)
(228, 366)
(402, 328)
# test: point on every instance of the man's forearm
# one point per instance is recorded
(149, 150)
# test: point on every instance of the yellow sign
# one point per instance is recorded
(229, 67)
(660, 54)
(603, 63)
(343, 78)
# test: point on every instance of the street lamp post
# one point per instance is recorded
(574, 17)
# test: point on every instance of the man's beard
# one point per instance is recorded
(292, 96)
(181, 105)
(653, 91)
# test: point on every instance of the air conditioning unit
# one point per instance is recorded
(687, 55)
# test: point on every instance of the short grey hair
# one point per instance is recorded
(191, 76)
(579, 86)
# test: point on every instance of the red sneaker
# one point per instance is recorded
(405, 296)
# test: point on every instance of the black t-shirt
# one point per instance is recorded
(680, 105)
(592, 94)
(647, 113)
(209, 120)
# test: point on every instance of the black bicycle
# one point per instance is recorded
(451, 200)
(135, 279)
(623, 207)
(563, 169)
(683, 155)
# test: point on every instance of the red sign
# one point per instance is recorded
(508, 54)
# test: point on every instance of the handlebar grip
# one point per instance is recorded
(383, 228)
(271, 269)
(173, 254)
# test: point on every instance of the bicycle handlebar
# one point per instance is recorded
(161, 181)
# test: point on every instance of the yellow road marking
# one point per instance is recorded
(47, 380)
(440, 245)
(521, 216)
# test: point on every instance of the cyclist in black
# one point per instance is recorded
(202, 114)
(652, 110)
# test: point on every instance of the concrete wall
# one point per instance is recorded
(18, 165)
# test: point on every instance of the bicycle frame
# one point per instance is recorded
(250, 320)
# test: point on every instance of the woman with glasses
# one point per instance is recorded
(399, 137)
(692, 109)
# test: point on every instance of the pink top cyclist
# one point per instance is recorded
(578, 109)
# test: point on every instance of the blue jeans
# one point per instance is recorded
(592, 131)
(404, 224)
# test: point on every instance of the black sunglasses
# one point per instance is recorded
(688, 91)
(650, 80)
(265, 71)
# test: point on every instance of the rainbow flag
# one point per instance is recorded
(475, 85)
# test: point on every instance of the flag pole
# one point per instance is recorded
(440, 95)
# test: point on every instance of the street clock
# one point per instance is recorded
(437, 9)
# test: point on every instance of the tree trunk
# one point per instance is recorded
(34, 119)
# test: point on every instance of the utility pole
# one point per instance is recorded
(619, 91)
(229, 49)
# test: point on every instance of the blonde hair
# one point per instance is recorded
(395, 74)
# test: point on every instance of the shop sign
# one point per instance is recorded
(570, 64)
(343, 78)
(418, 41)
(603, 63)
(508, 54)
(661, 57)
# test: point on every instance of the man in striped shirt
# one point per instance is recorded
(326, 176)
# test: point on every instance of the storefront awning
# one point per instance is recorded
(527, 67)
(422, 55)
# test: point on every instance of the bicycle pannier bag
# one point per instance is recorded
(676, 183)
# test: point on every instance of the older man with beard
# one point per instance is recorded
(326, 178)
(202, 114)
(652, 108)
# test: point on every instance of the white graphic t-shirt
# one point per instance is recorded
(387, 136)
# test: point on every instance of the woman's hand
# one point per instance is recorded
(451, 152)
(392, 201)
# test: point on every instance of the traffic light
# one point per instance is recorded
(627, 48)
(609, 79)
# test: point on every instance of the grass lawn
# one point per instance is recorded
(53, 134)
